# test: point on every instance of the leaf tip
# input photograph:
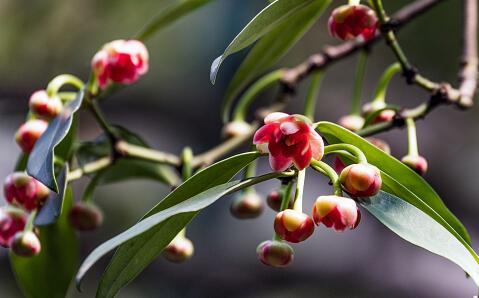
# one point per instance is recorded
(215, 66)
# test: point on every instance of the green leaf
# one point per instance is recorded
(170, 15)
(399, 179)
(50, 274)
(40, 162)
(133, 256)
(265, 21)
(54, 204)
(271, 48)
(417, 227)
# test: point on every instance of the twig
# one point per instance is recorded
(89, 168)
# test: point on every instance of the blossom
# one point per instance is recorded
(350, 21)
(336, 212)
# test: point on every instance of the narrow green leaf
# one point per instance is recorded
(419, 192)
(271, 47)
(415, 226)
(265, 21)
(169, 15)
(133, 256)
(50, 274)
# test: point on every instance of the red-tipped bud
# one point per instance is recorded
(383, 116)
(28, 134)
(179, 250)
(361, 180)
(120, 61)
(336, 212)
(23, 190)
(12, 221)
(351, 122)
(85, 216)
(275, 199)
(247, 205)
(26, 244)
(350, 21)
(275, 253)
(43, 106)
(417, 163)
(293, 226)
(380, 144)
(236, 129)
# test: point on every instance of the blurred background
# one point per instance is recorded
(175, 105)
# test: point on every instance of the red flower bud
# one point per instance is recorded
(120, 61)
(351, 122)
(179, 250)
(293, 226)
(361, 180)
(28, 134)
(417, 163)
(274, 200)
(247, 205)
(85, 216)
(12, 221)
(23, 190)
(26, 244)
(350, 21)
(336, 212)
(384, 116)
(236, 129)
(290, 139)
(275, 253)
(380, 144)
(338, 165)
(43, 106)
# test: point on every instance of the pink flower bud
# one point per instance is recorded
(274, 200)
(290, 139)
(26, 244)
(336, 212)
(23, 190)
(351, 122)
(380, 144)
(247, 205)
(28, 134)
(417, 163)
(293, 226)
(275, 253)
(85, 216)
(179, 250)
(338, 165)
(361, 180)
(350, 21)
(236, 129)
(384, 116)
(43, 106)
(12, 221)
(120, 61)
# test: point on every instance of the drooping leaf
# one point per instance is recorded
(169, 15)
(271, 47)
(41, 161)
(53, 206)
(49, 274)
(265, 21)
(417, 227)
(403, 181)
(133, 256)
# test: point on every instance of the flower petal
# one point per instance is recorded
(317, 145)
(265, 133)
(302, 161)
(289, 127)
(279, 162)
(275, 117)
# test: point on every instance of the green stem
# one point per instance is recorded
(412, 138)
(358, 82)
(250, 94)
(101, 120)
(144, 153)
(186, 158)
(287, 196)
(349, 148)
(250, 171)
(298, 196)
(31, 218)
(330, 173)
(59, 81)
(312, 95)
(380, 93)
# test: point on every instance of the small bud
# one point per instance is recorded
(336, 212)
(179, 250)
(275, 253)
(12, 220)
(274, 200)
(236, 129)
(85, 216)
(293, 226)
(23, 190)
(338, 165)
(28, 134)
(351, 122)
(26, 244)
(417, 163)
(380, 144)
(384, 116)
(247, 205)
(120, 61)
(351, 21)
(43, 106)
(361, 180)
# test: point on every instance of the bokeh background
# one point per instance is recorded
(175, 105)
